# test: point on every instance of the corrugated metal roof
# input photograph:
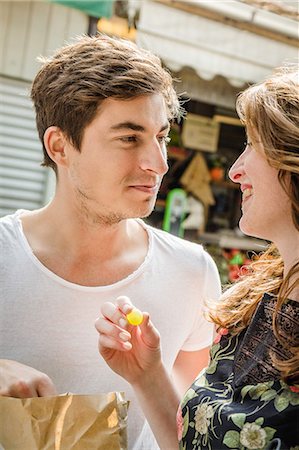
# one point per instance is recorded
(228, 39)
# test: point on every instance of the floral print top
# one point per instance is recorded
(239, 402)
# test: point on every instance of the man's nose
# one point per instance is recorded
(154, 159)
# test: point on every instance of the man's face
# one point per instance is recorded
(122, 161)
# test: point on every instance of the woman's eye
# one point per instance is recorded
(247, 144)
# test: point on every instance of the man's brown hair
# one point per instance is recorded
(70, 85)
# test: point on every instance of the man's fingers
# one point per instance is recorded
(20, 389)
(113, 326)
(45, 387)
(107, 342)
(150, 335)
(124, 304)
(114, 331)
(111, 312)
(116, 314)
(21, 381)
(39, 387)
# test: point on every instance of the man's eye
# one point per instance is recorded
(129, 139)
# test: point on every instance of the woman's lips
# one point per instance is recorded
(247, 192)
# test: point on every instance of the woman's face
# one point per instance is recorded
(266, 208)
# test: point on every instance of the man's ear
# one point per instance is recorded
(55, 143)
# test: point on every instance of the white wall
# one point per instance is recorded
(27, 29)
(32, 28)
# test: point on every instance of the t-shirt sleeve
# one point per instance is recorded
(202, 331)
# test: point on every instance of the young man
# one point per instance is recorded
(103, 109)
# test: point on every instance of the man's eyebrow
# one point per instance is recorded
(127, 126)
(134, 126)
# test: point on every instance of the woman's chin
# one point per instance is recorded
(247, 228)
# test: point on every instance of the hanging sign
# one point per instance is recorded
(200, 133)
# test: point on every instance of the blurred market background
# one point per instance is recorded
(214, 49)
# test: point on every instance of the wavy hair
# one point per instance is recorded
(271, 111)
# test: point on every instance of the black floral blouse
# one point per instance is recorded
(239, 402)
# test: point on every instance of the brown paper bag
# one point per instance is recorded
(64, 422)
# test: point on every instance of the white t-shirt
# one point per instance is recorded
(48, 323)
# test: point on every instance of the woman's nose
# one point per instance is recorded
(236, 171)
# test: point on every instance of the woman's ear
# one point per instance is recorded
(55, 143)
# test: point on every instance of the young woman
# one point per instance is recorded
(248, 397)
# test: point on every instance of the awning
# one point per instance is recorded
(182, 39)
(94, 8)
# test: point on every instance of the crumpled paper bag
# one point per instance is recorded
(64, 422)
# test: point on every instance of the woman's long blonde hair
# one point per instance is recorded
(271, 109)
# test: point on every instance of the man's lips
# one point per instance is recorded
(147, 188)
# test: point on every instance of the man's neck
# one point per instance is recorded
(84, 253)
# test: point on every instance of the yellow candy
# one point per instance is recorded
(135, 317)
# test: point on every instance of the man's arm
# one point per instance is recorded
(21, 381)
(187, 366)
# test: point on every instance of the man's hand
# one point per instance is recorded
(18, 380)
(131, 351)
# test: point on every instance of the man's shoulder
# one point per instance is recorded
(7, 221)
(8, 225)
(186, 259)
(176, 246)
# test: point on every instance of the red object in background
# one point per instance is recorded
(233, 272)
(236, 263)
(217, 173)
